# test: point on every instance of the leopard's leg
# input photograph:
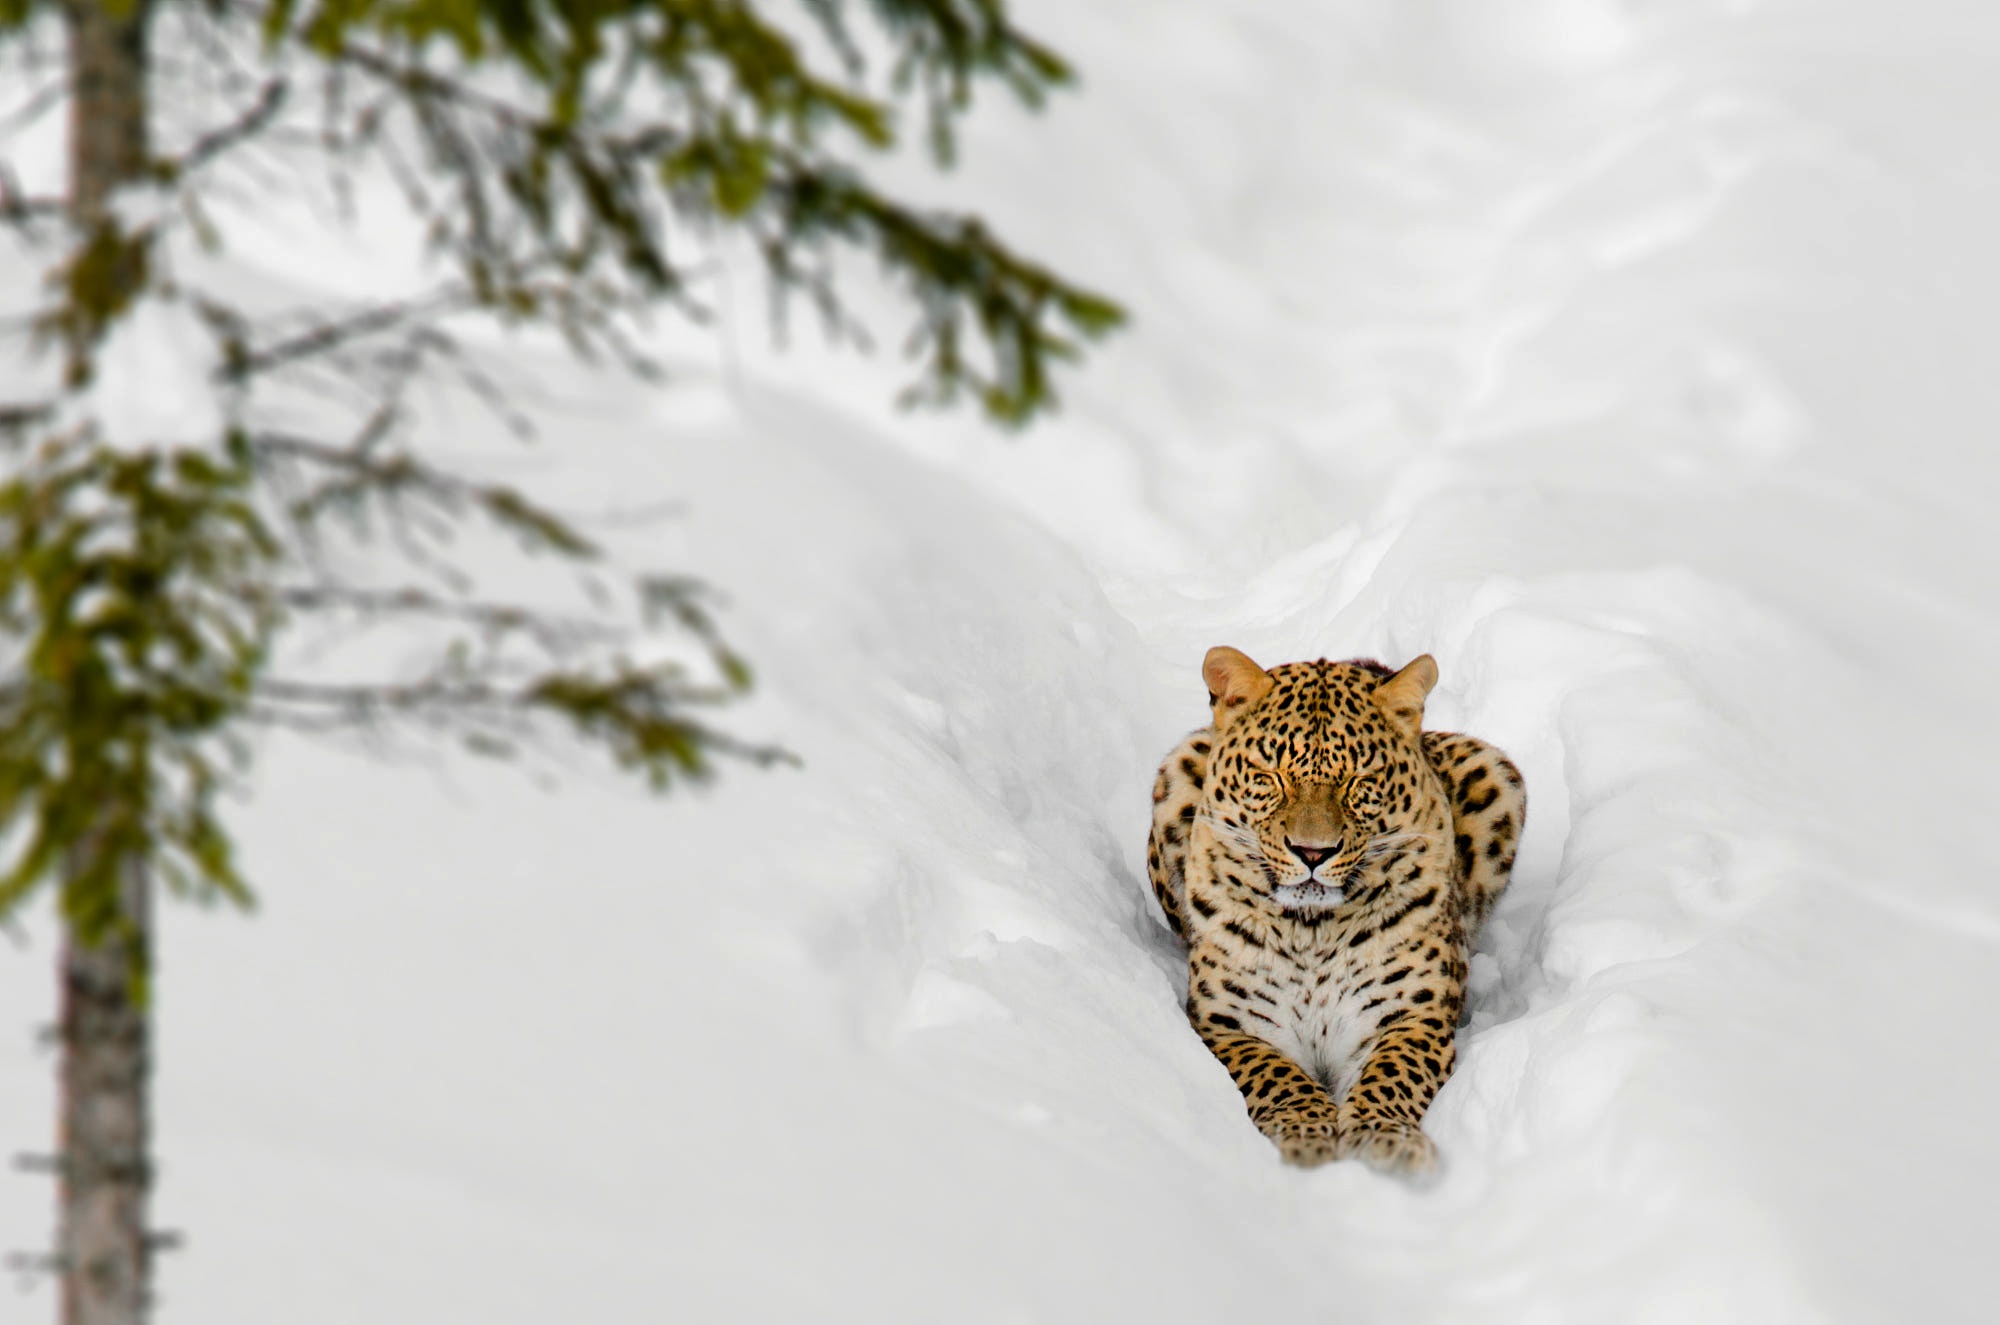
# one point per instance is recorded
(1226, 1005)
(1286, 1104)
(1177, 795)
(1489, 806)
(1381, 1118)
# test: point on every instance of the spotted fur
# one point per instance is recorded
(1328, 864)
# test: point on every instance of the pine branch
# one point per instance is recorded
(45, 99)
(364, 473)
(639, 714)
(18, 208)
(252, 122)
(17, 419)
(591, 199)
(336, 333)
(557, 152)
(554, 634)
(30, 1265)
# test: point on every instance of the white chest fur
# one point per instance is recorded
(1322, 1020)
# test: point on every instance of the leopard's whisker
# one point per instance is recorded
(1388, 842)
(1242, 836)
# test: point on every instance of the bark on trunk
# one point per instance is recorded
(103, 1246)
(107, 69)
(103, 1243)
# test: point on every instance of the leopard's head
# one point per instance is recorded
(1317, 771)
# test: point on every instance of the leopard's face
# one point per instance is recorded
(1312, 784)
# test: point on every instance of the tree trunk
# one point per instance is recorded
(103, 1246)
(107, 69)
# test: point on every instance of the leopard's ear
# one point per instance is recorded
(1401, 697)
(1234, 683)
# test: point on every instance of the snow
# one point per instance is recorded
(148, 381)
(1629, 360)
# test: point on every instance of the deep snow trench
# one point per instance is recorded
(1632, 363)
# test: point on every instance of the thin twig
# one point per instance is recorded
(356, 460)
(554, 633)
(45, 99)
(247, 125)
(17, 206)
(332, 335)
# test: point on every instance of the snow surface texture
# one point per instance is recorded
(1630, 359)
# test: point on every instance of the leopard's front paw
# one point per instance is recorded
(1305, 1140)
(1398, 1148)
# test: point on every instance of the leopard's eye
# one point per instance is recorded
(1365, 795)
(1263, 779)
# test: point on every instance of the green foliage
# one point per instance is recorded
(641, 716)
(361, 485)
(961, 277)
(559, 153)
(108, 271)
(579, 183)
(135, 657)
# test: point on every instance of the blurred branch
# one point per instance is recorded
(639, 714)
(253, 121)
(335, 333)
(19, 418)
(556, 187)
(553, 633)
(365, 473)
(17, 207)
(46, 98)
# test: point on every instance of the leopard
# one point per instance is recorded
(1328, 864)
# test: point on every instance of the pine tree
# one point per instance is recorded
(556, 152)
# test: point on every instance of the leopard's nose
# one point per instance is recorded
(1312, 856)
